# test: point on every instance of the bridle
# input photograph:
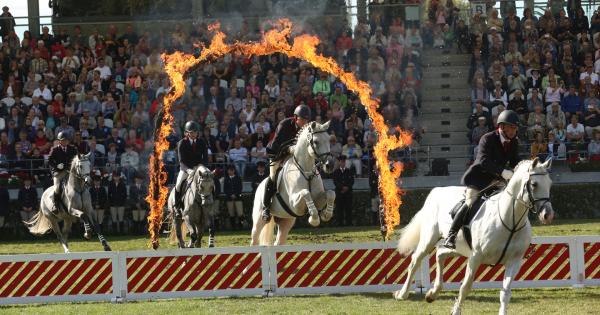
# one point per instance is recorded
(79, 174)
(321, 157)
(531, 207)
(203, 176)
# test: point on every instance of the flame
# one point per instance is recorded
(276, 40)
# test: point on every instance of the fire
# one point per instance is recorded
(274, 41)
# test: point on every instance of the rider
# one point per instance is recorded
(59, 160)
(192, 152)
(497, 155)
(278, 150)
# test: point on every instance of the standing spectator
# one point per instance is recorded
(117, 197)
(232, 187)
(7, 23)
(593, 147)
(4, 205)
(139, 206)
(260, 175)
(28, 200)
(99, 198)
(343, 179)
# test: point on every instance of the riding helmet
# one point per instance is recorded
(508, 117)
(192, 126)
(62, 136)
(302, 111)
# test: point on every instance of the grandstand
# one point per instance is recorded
(103, 83)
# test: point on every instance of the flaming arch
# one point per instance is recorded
(277, 40)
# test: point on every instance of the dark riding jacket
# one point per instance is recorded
(58, 155)
(192, 155)
(491, 160)
(285, 136)
(99, 197)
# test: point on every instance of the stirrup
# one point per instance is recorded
(450, 241)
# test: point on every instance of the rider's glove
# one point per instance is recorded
(60, 166)
(190, 172)
(507, 174)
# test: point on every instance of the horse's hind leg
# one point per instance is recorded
(512, 268)
(440, 256)
(424, 247)
(465, 287)
(178, 232)
(59, 235)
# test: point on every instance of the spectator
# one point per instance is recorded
(232, 189)
(139, 206)
(260, 175)
(594, 146)
(238, 155)
(539, 148)
(536, 122)
(258, 153)
(343, 179)
(4, 205)
(353, 153)
(592, 119)
(572, 104)
(117, 198)
(130, 162)
(99, 198)
(481, 129)
(28, 200)
(555, 116)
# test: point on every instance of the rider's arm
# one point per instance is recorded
(182, 158)
(486, 159)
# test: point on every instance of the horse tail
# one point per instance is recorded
(39, 224)
(410, 235)
(266, 235)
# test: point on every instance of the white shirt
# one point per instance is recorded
(592, 75)
(105, 72)
(240, 154)
(577, 130)
(45, 94)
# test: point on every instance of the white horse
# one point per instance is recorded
(300, 187)
(78, 202)
(501, 232)
(196, 199)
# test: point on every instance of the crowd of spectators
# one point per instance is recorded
(546, 69)
(105, 90)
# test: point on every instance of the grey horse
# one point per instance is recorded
(76, 199)
(196, 200)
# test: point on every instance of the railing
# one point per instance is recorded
(341, 268)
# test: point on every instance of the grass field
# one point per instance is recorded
(524, 301)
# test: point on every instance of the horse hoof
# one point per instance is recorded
(87, 236)
(107, 248)
(398, 295)
(314, 221)
(429, 297)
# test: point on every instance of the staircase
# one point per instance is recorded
(445, 108)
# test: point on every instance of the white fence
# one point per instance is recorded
(284, 270)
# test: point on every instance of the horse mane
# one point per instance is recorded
(74, 162)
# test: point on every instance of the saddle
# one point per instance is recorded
(483, 197)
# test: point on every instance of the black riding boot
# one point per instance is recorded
(178, 202)
(458, 222)
(269, 192)
(57, 202)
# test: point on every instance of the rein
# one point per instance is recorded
(530, 205)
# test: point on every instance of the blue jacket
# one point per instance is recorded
(571, 104)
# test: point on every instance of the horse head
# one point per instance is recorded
(204, 182)
(318, 145)
(534, 185)
(81, 168)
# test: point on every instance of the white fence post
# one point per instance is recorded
(269, 278)
(119, 276)
(576, 260)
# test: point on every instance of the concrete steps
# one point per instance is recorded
(447, 107)
(437, 70)
(444, 83)
(444, 124)
(445, 138)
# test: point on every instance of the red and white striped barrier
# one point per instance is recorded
(283, 270)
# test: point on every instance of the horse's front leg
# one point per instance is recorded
(178, 221)
(465, 287)
(510, 272)
(304, 196)
(328, 213)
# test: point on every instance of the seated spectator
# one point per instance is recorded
(591, 119)
(238, 155)
(553, 93)
(258, 153)
(556, 148)
(539, 147)
(554, 116)
(481, 129)
(575, 131)
(516, 80)
(536, 122)
(353, 152)
(594, 146)
(479, 92)
(498, 94)
(572, 104)
(28, 200)
(335, 146)
(518, 104)
(130, 163)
